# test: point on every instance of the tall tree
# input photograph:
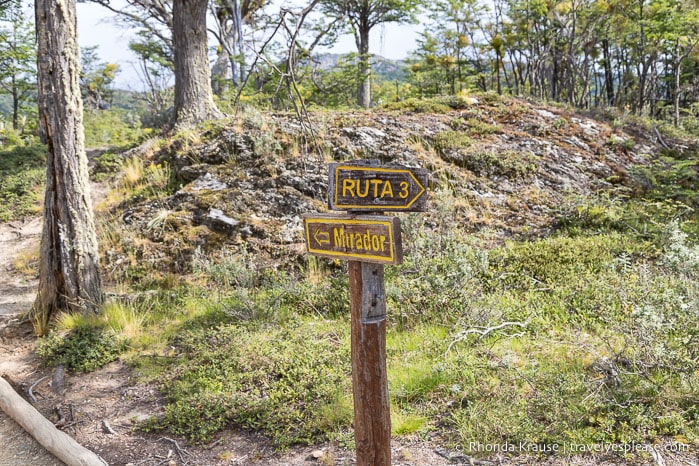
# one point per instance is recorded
(17, 57)
(363, 16)
(194, 100)
(230, 15)
(69, 277)
(96, 79)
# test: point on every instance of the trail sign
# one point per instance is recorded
(372, 238)
(377, 188)
(367, 242)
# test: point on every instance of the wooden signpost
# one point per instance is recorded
(367, 242)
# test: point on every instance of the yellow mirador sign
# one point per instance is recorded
(377, 188)
(360, 238)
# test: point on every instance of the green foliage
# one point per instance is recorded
(673, 175)
(96, 79)
(523, 265)
(22, 177)
(18, 64)
(110, 128)
(474, 127)
(448, 141)
(83, 349)
(415, 105)
(288, 382)
(248, 292)
(454, 146)
(336, 87)
(438, 105)
(438, 279)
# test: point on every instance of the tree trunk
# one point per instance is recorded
(221, 74)
(678, 86)
(194, 101)
(15, 103)
(608, 74)
(69, 276)
(364, 82)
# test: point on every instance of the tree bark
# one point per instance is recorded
(608, 73)
(677, 91)
(364, 82)
(69, 277)
(194, 101)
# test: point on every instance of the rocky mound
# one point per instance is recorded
(507, 165)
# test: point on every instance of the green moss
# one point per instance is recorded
(415, 105)
(448, 141)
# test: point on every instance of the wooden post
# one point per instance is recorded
(372, 415)
(367, 242)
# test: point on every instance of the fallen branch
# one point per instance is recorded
(58, 443)
(483, 332)
(30, 392)
(179, 450)
(107, 428)
(660, 138)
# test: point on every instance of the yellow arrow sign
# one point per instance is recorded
(362, 238)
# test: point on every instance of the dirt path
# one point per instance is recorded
(18, 447)
(17, 239)
(17, 293)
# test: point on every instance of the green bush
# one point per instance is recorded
(415, 105)
(558, 260)
(281, 381)
(448, 141)
(673, 175)
(84, 349)
(109, 128)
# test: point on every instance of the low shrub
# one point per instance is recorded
(83, 349)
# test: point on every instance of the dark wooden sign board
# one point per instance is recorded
(375, 188)
(368, 238)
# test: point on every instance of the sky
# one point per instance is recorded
(96, 26)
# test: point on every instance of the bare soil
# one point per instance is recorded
(16, 290)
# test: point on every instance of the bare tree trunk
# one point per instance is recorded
(364, 84)
(194, 101)
(15, 103)
(608, 73)
(678, 87)
(69, 276)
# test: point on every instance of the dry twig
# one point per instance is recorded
(30, 392)
(180, 451)
(483, 332)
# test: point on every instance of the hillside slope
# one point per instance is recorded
(511, 166)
